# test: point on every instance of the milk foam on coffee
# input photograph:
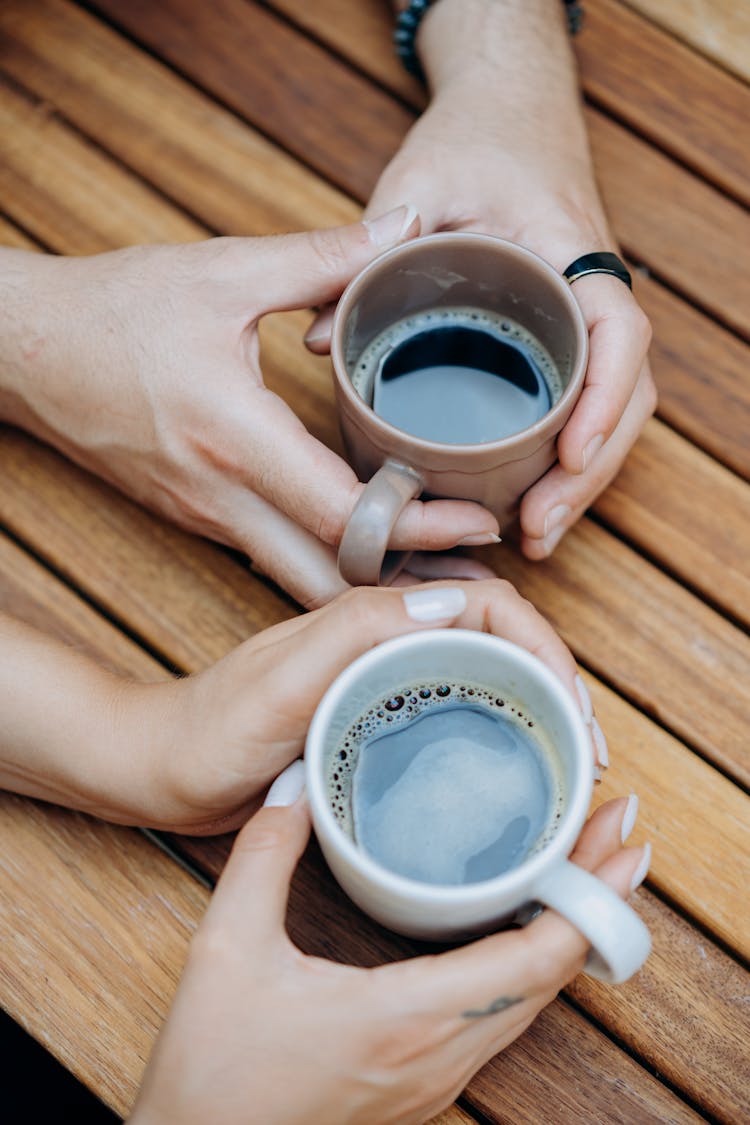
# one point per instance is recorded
(460, 375)
(446, 784)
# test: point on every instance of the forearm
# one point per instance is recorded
(71, 732)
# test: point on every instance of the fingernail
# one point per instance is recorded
(392, 227)
(315, 334)
(641, 870)
(591, 450)
(629, 817)
(584, 700)
(483, 539)
(435, 605)
(550, 541)
(555, 517)
(600, 744)
(597, 774)
(287, 787)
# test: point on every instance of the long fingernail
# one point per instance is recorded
(629, 817)
(482, 539)
(584, 699)
(641, 870)
(550, 541)
(590, 451)
(393, 227)
(439, 604)
(287, 787)
(317, 335)
(557, 515)
(600, 744)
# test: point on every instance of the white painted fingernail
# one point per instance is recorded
(388, 229)
(439, 604)
(555, 517)
(600, 744)
(584, 700)
(591, 450)
(483, 539)
(641, 870)
(287, 787)
(629, 817)
(597, 774)
(550, 541)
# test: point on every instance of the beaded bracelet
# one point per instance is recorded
(408, 21)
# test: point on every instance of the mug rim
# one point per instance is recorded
(386, 431)
(518, 879)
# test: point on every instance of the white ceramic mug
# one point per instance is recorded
(620, 941)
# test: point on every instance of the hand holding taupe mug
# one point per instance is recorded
(449, 775)
(438, 346)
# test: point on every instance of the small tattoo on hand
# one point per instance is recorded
(498, 1005)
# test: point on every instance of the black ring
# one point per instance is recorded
(600, 262)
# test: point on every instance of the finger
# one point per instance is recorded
(559, 499)
(292, 271)
(541, 958)
(446, 565)
(318, 335)
(300, 476)
(619, 336)
(251, 895)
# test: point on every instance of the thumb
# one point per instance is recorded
(292, 271)
(251, 895)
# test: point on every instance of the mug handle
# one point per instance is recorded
(364, 558)
(620, 941)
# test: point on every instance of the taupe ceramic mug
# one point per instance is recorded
(442, 270)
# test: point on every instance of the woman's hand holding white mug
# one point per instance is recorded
(260, 1032)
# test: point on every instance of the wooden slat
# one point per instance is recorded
(197, 153)
(10, 235)
(94, 926)
(34, 595)
(70, 177)
(720, 29)
(656, 490)
(701, 372)
(65, 56)
(628, 66)
(671, 240)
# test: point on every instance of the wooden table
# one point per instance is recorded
(125, 121)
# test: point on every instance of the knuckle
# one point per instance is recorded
(642, 326)
(329, 250)
(363, 608)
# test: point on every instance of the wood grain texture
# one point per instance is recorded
(691, 243)
(94, 924)
(719, 29)
(65, 57)
(701, 372)
(201, 156)
(70, 177)
(628, 66)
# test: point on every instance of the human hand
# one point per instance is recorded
(143, 366)
(502, 148)
(258, 1030)
(218, 738)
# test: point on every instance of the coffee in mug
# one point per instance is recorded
(447, 783)
(462, 376)
(457, 360)
(449, 774)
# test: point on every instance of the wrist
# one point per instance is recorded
(25, 299)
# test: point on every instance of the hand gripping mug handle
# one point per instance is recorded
(364, 558)
(620, 941)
